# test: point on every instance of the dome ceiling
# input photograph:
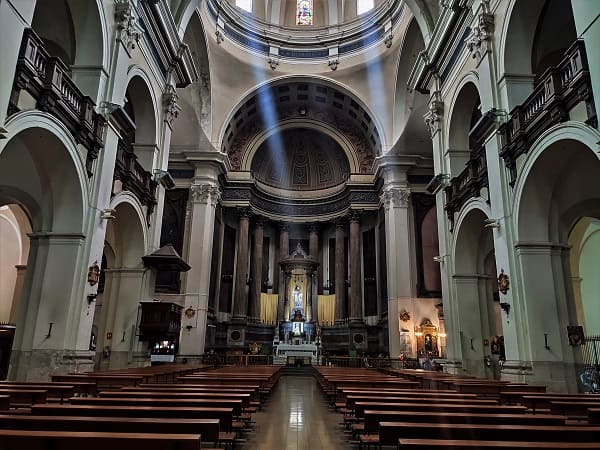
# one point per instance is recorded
(310, 101)
(300, 159)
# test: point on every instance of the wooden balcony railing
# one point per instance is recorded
(134, 177)
(47, 79)
(560, 89)
(467, 184)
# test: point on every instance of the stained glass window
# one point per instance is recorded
(362, 6)
(304, 12)
(246, 5)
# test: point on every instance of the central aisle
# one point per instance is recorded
(296, 418)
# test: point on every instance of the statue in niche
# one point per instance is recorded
(297, 297)
(299, 252)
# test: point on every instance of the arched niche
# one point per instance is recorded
(530, 43)
(75, 31)
(194, 122)
(141, 109)
(465, 112)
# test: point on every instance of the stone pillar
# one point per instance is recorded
(355, 278)
(257, 260)
(50, 307)
(240, 307)
(18, 290)
(313, 251)
(284, 252)
(395, 198)
(340, 282)
(204, 199)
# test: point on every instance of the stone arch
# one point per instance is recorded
(142, 107)
(312, 78)
(41, 170)
(132, 201)
(75, 31)
(526, 50)
(549, 202)
(474, 313)
(463, 113)
(195, 120)
(409, 106)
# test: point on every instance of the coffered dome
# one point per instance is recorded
(300, 160)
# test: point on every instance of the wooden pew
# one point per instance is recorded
(435, 444)
(225, 415)
(4, 402)
(24, 397)
(575, 409)
(486, 407)
(69, 440)
(594, 416)
(390, 432)
(101, 381)
(351, 400)
(372, 418)
(243, 398)
(536, 402)
(235, 405)
(207, 428)
(55, 391)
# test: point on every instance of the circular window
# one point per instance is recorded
(236, 335)
(358, 338)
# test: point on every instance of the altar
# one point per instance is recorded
(291, 353)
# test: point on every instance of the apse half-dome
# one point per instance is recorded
(300, 160)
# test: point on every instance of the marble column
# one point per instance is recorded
(240, 307)
(340, 282)
(313, 250)
(284, 252)
(257, 261)
(204, 198)
(355, 278)
(399, 259)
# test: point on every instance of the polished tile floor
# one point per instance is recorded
(296, 417)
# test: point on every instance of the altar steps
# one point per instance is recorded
(303, 371)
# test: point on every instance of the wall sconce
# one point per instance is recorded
(91, 297)
(505, 307)
(438, 259)
(442, 335)
(189, 328)
(491, 223)
(418, 331)
(108, 214)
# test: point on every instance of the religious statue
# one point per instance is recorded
(297, 298)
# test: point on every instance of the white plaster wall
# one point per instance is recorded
(589, 267)
(10, 256)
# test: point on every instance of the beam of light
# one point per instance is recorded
(266, 107)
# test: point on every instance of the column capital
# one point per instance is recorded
(284, 226)
(313, 227)
(340, 222)
(395, 197)
(354, 215)
(205, 193)
(244, 213)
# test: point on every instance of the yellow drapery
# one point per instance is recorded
(268, 308)
(326, 309)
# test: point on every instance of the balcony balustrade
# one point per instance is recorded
(47, 79)
(134, 177)
(467, 184)
(559, 90)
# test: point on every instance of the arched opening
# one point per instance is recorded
(584, 241)
(126, 283)
(194, 122)
(410, 106)
(141, 111)
(465, 114)
(533, 45)
(477, 310)
(556, 209)
(38, 174)
(72, 30)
